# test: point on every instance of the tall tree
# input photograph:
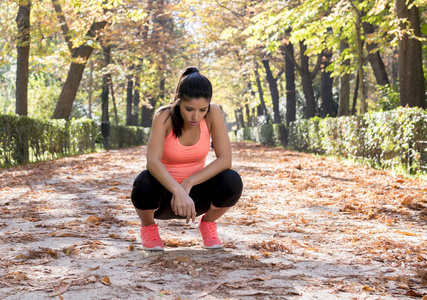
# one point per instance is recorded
(272, 82)
(106, 78)
(262, 108)
(22, 71)
(344, 95)
(327, 84)
(290, 83)
(411, 77)
(129, 100)
(359, 47)
(79, 58)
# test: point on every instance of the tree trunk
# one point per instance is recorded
(129, 96)
(307, 83)
(248, 115)
(105, 118)
(116, 117)
(395, 67)
(290, 84)
(23, 45)
(89, 114)
(162, 92)
(146, 116)
(344, 98)
(263, 108)
(105, 84)
(327, 82)
(355, 95)
(359, 45)
(411, 76)
(80, 57)
(136, 100)
(374, 57)
(273, 91)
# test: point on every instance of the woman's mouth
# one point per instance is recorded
(194, 123)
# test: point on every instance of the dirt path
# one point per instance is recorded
(305, 228)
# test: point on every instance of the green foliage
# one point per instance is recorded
(390, 138)
(128, 136)
(24, 140)
(389, 99)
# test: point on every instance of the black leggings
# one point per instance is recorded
(222, 190)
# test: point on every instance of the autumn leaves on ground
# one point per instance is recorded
(305, 227)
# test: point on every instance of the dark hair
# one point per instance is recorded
(191, 85)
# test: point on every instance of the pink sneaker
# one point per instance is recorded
(150, 238)
(209, 235)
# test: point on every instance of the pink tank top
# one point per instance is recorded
(183, 161)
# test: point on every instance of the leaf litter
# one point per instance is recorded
(305, 227)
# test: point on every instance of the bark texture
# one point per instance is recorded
(22, 72)
(344, 98)
(272, 82)
(290, 84)
(411, 77)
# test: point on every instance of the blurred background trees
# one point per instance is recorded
(271, 61)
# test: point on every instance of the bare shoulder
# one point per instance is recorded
(214, 116)
(214, 112)
(162, 119)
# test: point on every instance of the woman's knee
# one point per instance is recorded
(146, 191)
(230, 188)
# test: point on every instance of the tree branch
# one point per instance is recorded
(316, 69)
(232, 11)
(64, 25)
(278, 75)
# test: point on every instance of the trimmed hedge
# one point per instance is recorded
(388, 138)
(128, 136)
(24, 140)
(267, 134)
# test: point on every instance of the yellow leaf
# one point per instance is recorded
(368, 289)
(407, 200)
(182, 258)
(106, 280)
(131, 248)
(165, 292)
(304, 220)
(94, 268)
(406, 233)
(93, 219)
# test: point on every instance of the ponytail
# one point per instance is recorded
(191, 85)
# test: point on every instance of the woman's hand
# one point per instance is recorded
(182, 205)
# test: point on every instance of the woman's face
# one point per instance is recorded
(193, 111)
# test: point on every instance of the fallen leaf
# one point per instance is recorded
(407, 200)
(165, 293)
(106, 280)
(406, 233)
(93, 269)
(60, 289)
(66, 234)
(182, 259)
(93, 219)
